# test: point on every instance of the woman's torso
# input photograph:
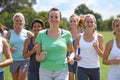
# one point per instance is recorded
(115, 53)
(56, 50)
(33, 64)
(89, 56)
(17, 40)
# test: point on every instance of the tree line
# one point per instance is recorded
(9, 7)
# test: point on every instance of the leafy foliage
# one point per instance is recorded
(83, 9)
(9, 7)
(12, 5)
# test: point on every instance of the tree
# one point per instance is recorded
(118, 16)
(83, 9)
(29, 14)
(6, 19)
(44, 15)
(64, 24)
(12, 5)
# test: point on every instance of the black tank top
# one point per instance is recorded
(33, 64)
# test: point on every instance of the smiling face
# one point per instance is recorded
(54, 18)
(116, 26)
(90, 22)
(18, 22)
(37, 27)
(73, 22)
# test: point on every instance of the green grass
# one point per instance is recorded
(104, 68)
(107, 36)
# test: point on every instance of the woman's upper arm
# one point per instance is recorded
(70, 47)
(26, 44)
(8, 35)
(6, 49)
(77, 41)
(30, 34)
(108, 48)
(101, 44)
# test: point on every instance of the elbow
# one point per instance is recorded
(24, 57)
(11, 61)
(104, 62)
(39, 58)
(36, 57)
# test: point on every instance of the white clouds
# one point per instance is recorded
(106, 7)
(47, 4)
(58, 2)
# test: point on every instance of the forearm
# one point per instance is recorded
(6, 62)
(29, 53)
(100, 52)
(112, 61)
(72, 55)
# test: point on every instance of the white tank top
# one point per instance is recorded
(89, 56)
(115, 53)
(1, 52)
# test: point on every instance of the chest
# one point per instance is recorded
(115, 51)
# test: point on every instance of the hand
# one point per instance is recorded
(34, 49)
(96, 44)
(116, 61)
(78, 58)
(43, 55)
(13, 49)
(71, 61)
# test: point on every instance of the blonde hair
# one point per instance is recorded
(80, 21)
(113, 24)
(94, 19)
(17, 15)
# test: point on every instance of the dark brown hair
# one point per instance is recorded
(38, 21)
(55, 9)
(2, 28)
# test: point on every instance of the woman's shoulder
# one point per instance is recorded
(43, 31)
(99, 35)
(4, 41)
(65, 31)
(110, 43)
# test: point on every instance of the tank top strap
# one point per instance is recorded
(82, 35)
(114, 43)
(96, 36)
(31, 45)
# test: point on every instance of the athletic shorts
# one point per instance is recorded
(19, 65)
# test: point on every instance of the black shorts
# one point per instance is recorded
(85, 73)
(72, 68)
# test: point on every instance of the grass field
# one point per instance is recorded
(104, 68)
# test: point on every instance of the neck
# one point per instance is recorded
(89, 32)
(74, 33)
(17, 30)
(118, 38)
(53, 29)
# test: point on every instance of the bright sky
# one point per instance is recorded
(106, 8)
